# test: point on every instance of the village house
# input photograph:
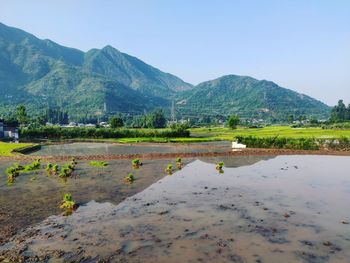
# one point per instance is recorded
(8, 131)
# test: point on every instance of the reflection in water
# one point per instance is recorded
(29, 201)
(289, 208)
(79, 149)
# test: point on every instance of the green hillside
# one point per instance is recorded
(42, 74)
(247, 97)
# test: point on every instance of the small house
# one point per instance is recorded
(8, 131)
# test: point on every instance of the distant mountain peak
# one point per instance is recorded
(41, 73)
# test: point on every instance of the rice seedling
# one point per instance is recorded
(98, 163)
(169, 169)
(136, 163)
(130, 178)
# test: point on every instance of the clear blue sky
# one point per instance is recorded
(303, 45)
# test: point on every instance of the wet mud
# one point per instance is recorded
(284, 209)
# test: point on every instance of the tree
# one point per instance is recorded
(339, 112)
(116, 122)
(156, 120)
(291, 118)
(233, 121)
(21, 115)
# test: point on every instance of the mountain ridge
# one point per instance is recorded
(226, 95)
(43, 73)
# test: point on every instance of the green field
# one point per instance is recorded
(271, 131)
(6, 149)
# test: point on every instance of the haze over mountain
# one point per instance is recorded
(42, 74)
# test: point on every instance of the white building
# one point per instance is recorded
(8, 131)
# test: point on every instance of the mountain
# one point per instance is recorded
(132, 72)
(43, 74)
(247, 97)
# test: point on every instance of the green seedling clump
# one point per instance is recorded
(12, 172)
(136, 163)
(99, 163)
(52, 168)
(68, 203)
(220, 166)
(179, 163)
(34, 166)
(130, 178)
(169, 169)
(65, 172)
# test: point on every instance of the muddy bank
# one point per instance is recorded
(291, 208)
(85, 148)
(245, 152)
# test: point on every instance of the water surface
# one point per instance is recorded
(79, 149)
(30, 201)
(285, 209)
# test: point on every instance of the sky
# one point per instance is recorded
(303, 45)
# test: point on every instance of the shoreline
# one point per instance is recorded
(147, 156)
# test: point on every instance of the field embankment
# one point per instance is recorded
(10, 149)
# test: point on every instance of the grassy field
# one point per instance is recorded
(7, 148)
(220, 133)
(271, 131)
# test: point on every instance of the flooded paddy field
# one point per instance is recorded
(84, 148)
(30, 201)
(260, 209)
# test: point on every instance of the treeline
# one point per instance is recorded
(56, 132)
(342, 143)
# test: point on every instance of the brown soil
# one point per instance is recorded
(245, 152)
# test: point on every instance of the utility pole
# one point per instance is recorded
(173, 111)
(105, 107)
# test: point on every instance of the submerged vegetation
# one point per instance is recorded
(99, 163)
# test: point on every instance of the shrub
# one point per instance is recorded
(279, 142)
(56, 132)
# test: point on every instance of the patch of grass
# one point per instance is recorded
(99, 163)
(6, 149)
(270, 131)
